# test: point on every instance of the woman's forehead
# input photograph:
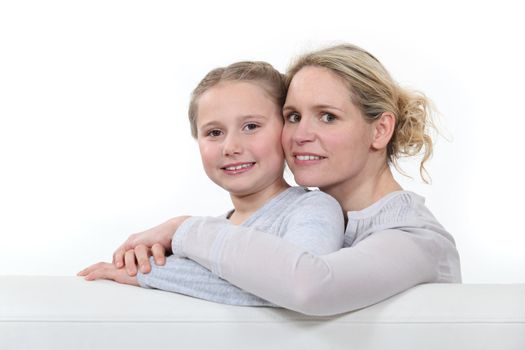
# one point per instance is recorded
(317, 85)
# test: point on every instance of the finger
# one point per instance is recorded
(89, 269)
(142, 255)
(104, 271)
(119, 254)
(131, 263)
(110, 272)
(159, 254)
(118, 257)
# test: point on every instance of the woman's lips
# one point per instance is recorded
(307, 158)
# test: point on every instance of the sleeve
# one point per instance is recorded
(384, 264)
(187, 277)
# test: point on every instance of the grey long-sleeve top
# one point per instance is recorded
(389, 247)
(311, 220)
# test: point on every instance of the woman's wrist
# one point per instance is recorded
(184, 225)
(172, 225)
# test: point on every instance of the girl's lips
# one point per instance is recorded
(238, 168)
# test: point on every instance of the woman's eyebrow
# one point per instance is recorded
(318, 106)
(324, 106)
(289, 107)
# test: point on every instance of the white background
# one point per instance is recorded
(95, 143)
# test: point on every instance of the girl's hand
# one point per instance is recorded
(140, 246)
(107, 271)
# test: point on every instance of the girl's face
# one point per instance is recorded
(326, 140)
(239, 134)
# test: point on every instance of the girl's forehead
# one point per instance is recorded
(229, 103)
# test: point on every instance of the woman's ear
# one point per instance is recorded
(383, 130)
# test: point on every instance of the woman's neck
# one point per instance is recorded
(364, 189)
(245, 205)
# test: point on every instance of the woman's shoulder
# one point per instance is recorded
(393, 204)
(404, 213)
(400, 210)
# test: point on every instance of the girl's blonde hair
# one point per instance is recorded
(374, 92)
(257, 72)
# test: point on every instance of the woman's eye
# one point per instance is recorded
(214, 133)
(250, 127)
(293, 118)
(328, 117)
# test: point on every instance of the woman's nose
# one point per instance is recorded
(303, 132)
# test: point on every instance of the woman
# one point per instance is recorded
(346, 122)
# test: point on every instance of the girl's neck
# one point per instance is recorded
(365, 189)
(245, 205)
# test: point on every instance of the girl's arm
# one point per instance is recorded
(318, 231)
(185, 276)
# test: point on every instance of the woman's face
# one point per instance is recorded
(239, 134)
(326, 140)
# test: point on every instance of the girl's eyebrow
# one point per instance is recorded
(243, 118)
(213, 123)
(254, 116)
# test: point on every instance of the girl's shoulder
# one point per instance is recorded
(314, 198)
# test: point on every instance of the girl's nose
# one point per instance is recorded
(232, 146)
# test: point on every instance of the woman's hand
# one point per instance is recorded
(139, 256)
(140, 246)
(107, 271)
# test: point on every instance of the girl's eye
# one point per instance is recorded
(293, 117)
(250, 127)
(214, 133)
(328, 117)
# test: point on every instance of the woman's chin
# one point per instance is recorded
(306, 182)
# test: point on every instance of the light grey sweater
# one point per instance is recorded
(311, 220)
(389, 247)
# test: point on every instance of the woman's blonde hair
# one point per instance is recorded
(257, 72)
(374, 92)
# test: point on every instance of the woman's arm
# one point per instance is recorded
(383, 264)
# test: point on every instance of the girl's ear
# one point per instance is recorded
(383, 130)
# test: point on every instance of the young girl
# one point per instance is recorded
(235, 115)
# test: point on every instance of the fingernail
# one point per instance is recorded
(119, 264)
(143, 268)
